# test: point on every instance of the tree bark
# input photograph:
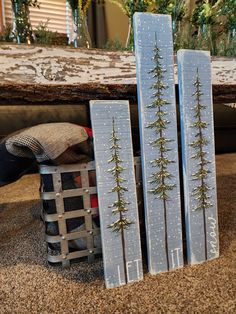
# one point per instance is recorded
(31, 75)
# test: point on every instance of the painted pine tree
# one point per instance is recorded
(161, 179)
(158, 139)
(200, 192)
(119, 206)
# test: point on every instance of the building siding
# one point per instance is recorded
(51, 12)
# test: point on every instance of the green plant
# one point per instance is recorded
(115, 45)
(227, 47)
(81, 36)
(23, 30)
(129, 7)
(161, 180)
(205, 13)
(228, 9)
(7, 33)
(214, 27)
(211, 26)
(119, 206)
(207, 25)
(44, 35)
(73, 4)
(81, 5)
(175, 8)
(204, 18)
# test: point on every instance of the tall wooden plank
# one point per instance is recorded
(197, 133)
(116, 192)
(159, 144)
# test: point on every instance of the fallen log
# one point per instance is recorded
(30, 74)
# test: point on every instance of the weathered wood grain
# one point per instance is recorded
(121, 247)
(154, 52)
(34, 74)
(198, 156)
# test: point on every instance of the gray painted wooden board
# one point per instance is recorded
(163, 217)
(122, 260)
(201, 217)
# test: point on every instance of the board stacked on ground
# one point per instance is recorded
(159, 143)
(198, 155)
(116, 187)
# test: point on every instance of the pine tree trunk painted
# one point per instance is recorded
(198, 155)
(117, 197)
(123, 249)
(120, 198)
(159, 144)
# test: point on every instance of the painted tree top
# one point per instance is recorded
(116, 192)
(58, 73)
(198, 155)
(158, 138)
